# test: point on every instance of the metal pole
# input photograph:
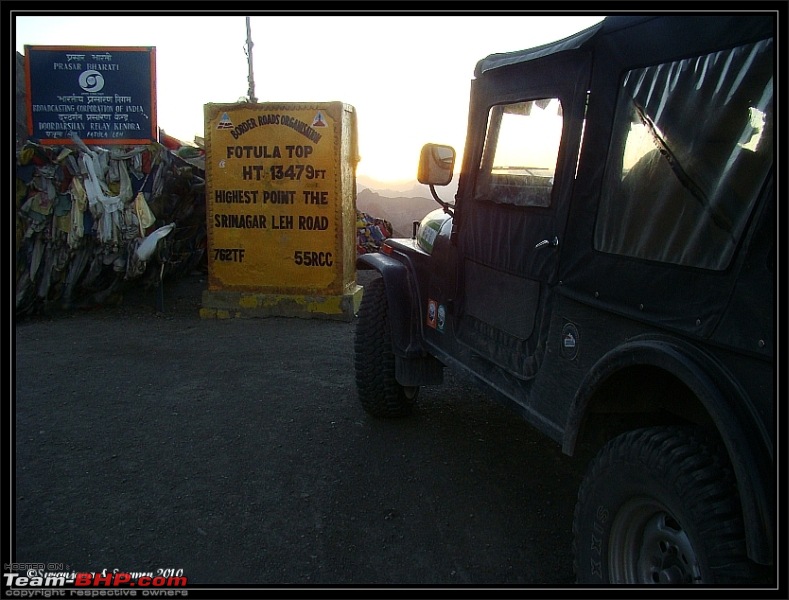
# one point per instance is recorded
(249, 60)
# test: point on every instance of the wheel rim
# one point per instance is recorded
(648, 545)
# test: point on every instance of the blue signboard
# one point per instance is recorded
(103, 95)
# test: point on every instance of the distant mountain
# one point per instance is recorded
(401, 203)
(400, 212)
(409, 188)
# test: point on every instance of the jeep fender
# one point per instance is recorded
(398, 297)
(746, 441)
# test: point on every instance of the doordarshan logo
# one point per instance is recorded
(91, 81)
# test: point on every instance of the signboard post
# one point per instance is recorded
(281, 210)
(103, 95)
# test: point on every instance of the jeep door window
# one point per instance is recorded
(692, 146)
(520, 153)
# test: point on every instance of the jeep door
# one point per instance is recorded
(525, 130)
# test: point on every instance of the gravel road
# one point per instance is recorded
(236, 451)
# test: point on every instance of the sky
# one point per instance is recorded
(407, 76)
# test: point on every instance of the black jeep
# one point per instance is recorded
(607, 268)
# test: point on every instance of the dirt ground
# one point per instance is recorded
(147, 439)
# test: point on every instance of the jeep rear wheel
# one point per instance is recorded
(659, 505)
(374, 360)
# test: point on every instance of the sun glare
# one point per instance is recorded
(389, 162)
